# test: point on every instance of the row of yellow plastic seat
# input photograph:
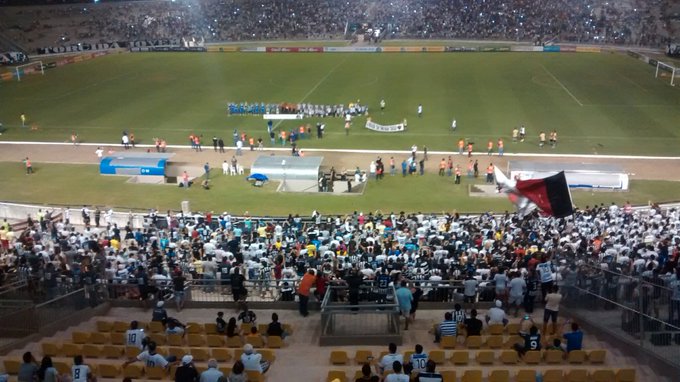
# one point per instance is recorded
(496, 341)
(553, 375)
(484, 357)
(192, 327)
(498, 329)
(126, 352)
(196, 340)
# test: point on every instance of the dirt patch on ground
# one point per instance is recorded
(648, 169)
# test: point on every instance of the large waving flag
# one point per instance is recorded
(551, 195)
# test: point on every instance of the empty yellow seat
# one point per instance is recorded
(234, 342)
(509, 357)
(362, 356)
(525, 375)
(485, 357)
(196, 340)
(513, 329)
(576, 356)
(256, 341)
(12, 366)
(268, 355)
(194, 328)
(496, 329)
(120, 326)
(104, 326)
(133, 371)
(552, 375)
(448, 375)
(460, 357)
(597, 356)
(62, 367)
(210, 328)
(50, 349)
(200, 354)
(438, 356)
(156, 327)
(215, 341)
(155, 373)
(603, 375)
(275, 342)
(494, 341)
(107, 370)
(473, 342)
(112, 351)
(92, 351)
(117, 338)
(499, 376)
(99, 338)
(221, 355)
(71, 350)
(532, 357)
(472, 376)
(448, 342)
(177, 351)
(625, 375)
(339, 357)
(174, 340)
(554, 356)
(336, 374)
(576, 375)
(80, 337)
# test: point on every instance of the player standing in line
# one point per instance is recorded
(501, 148)
(541, 139)
(453, 125)
(553, 139)
(23, 119)
(420, 110)
(522, 133)
(382, 105)
(515, 134)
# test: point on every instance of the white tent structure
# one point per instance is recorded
(298, 174)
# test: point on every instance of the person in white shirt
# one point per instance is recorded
(252, 360)
(420, 110)
(81, 372)
(397, 376)
(496, 315)
(134, 336)
(388, 359)
(99, 152)
(418, 359)
(453, 125)
(212, 374)
(517, 289)
(150, 358)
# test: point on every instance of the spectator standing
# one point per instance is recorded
(404, 298)
(306, 283)
(552, 306)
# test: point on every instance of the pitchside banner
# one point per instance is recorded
(385, 128)
(311, 49)
(282, 116)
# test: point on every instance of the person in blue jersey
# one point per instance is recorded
(405, 298)
(429, 375)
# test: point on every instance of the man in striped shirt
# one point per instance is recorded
(448, 327)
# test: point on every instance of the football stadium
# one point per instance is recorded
(358, 190)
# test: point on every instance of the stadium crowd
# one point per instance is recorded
(633, 22)
(614, 251)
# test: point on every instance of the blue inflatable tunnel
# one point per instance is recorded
(134, 164)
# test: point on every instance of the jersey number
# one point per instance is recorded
(420, 363)
(76, 374)
(132, 338)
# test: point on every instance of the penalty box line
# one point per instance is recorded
(562, 85)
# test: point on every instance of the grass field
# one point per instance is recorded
(76, 185)
(599, 103)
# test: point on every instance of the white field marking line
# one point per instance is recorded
(561, 84)
(358, 151)
(322, 80)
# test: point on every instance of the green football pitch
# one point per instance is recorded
(599, 103)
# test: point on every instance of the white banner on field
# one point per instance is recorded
(282, 116)
(385, 128)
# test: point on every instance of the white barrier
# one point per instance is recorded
(282, 116)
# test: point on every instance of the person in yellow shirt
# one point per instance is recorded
(115, 244)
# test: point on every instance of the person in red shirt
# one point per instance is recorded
(306, 283)
(29, 166)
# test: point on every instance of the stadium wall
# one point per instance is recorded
(9, 76)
